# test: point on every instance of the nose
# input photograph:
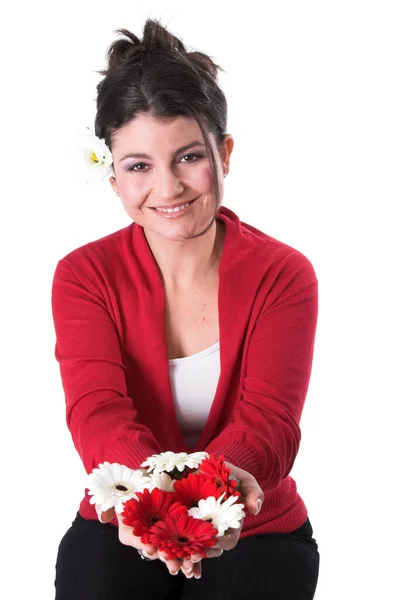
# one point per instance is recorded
(167, 184)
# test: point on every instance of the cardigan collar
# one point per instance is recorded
(237, 286)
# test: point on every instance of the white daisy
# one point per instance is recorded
(112, 484)
(223, 515)
(195, 459)
(167, 461)
(95, 158)
(162, 481)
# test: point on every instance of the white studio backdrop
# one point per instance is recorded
(313, 96)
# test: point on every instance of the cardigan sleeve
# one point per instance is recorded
(263, 435)
(100, 415)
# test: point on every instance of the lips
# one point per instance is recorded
(173, 205)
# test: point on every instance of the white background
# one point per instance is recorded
(313, 97)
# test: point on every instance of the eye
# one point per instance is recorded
(196, 156)
(133, 167)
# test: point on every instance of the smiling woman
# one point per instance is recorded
(186, 331)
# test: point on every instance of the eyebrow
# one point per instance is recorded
(143, 155)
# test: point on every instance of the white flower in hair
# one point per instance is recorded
(112, 484)
(167, 461)
(94, 156)
(223, 515)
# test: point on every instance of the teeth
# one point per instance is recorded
(172, 210)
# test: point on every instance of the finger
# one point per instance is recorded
(194, 571)
(186, 566)
(127, 537)
(153, 556)
(151, 551)
(105, 516)
(253, 498)
(197, 570)
(230, 539)
(251, 493)
(173, 565)
(196, 558)
(211, 553)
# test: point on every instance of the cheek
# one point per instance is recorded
(203, 179)
(133, 188)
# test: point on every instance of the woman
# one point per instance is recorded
(188, 330)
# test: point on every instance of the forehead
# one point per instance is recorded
(145, 131)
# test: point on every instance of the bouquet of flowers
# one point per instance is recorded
(180, 503)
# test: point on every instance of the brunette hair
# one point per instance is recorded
(159, 77)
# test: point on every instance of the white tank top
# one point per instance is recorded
(194, 381)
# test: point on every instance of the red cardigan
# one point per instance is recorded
(108, 310)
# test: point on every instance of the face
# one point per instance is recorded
(170, 174)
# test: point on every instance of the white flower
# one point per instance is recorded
(95, 158)
(162, 481)
(195, 459)
(223, 515)
(167, 461)
(112, 484)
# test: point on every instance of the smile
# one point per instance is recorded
(174, 211)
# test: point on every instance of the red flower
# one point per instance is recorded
(181, 535)
(150, 508)
(195, 487)
(217, 470)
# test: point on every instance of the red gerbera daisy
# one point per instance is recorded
(195, 487)
(150, 508)
(179, 536)
(219, 472)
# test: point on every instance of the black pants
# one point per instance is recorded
(92, 564)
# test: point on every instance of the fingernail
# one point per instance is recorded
(197, 576)
(190, 576)
(258, 506)
(173, 573)
(196, 560)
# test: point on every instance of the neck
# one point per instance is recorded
(185, 263)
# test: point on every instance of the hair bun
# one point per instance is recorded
(155, 37)
(122, 51)
(205, 62)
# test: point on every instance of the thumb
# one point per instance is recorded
(253, 498)
(105, 516)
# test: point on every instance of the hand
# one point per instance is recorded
(251, 493)
(128, 539)
(252, 497)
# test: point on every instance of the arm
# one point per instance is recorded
(100, 415)
(263, 434)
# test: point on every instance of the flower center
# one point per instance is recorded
(121, 488)
(182, 539)
(94, 157)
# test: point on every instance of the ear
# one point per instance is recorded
(113, 183)
(226, 149)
